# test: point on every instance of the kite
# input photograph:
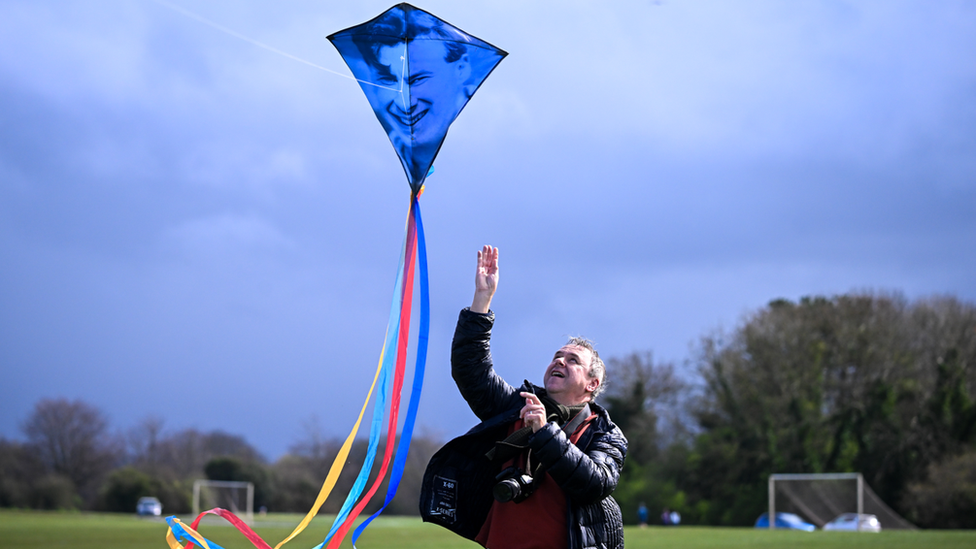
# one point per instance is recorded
(418, 72)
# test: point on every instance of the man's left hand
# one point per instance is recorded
(533, 413)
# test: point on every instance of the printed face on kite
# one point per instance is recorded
(419, 92)
(417, 72)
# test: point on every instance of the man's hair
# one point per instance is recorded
(388, 29)
(597, 368)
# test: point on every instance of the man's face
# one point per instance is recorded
(567, 379)
(435, 96)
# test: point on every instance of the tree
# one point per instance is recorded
(947, 498)
(144, 443)
(19, 472)
(235, 469)
(640, 394)
(857, 382)
(295, 484)
(184, 454)
(70, 439)
(298, 476)
(124, 487)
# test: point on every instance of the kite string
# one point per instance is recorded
(240, 36)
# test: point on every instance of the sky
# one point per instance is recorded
(201, 230)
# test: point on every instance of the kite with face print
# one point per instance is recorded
(417, 72)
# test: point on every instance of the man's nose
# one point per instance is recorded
(401, 104)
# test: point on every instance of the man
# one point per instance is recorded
(538, 471)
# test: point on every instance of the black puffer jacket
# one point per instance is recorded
(459, 479)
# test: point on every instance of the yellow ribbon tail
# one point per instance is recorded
(200, 540)
(337, 465)
(171, 540)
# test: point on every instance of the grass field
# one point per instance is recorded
(32, 530)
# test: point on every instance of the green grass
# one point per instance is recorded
(33, 529)
(696, 537)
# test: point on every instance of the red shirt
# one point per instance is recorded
(539, 522)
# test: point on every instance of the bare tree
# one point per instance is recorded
(316, 447)
(640, 395)
(184, 454)
(144, 441)
(71, 439)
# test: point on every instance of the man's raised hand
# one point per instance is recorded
(485, 279)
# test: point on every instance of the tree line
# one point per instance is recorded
(863, 382)
(70, 460)
(853, 383)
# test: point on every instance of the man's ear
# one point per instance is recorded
(592, 384)
(463, 69)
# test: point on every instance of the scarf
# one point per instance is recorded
(516, 442)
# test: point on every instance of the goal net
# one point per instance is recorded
(820, 497)
(237, 497)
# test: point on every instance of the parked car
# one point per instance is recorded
(848, 522)
(149, 506)
(786, 521)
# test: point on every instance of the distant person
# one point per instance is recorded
(666, 517)
(675, 518)
(642, 515)
(549, 455)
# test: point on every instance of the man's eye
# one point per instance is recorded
(388, 80)
(414, 80)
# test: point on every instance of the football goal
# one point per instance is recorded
(235, 496)
(820, 497)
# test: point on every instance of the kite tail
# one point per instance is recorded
(379, 408)
(178, 529)
(403, 339)
(418, 379)
(339, 462)
(395, 345)
(399, 325)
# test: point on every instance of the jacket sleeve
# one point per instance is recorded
(586, 476)
(485, 391)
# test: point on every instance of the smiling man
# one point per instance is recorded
(538, 471)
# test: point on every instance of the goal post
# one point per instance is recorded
(235, 496)
(820, 497)
(774, 478)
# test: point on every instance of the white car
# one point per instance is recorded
(848, 522)
(149, 506)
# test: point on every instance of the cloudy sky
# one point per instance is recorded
(195, 228)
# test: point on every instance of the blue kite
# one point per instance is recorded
(418, 72)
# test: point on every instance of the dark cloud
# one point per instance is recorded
(194, 227)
